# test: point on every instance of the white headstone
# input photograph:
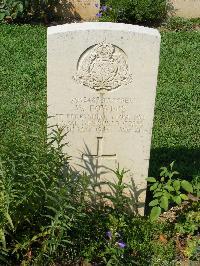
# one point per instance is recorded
(77, 9)
(101, 86)
(186, 8)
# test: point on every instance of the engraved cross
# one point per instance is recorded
(98, 156)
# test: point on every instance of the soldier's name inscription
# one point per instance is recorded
(101, 115)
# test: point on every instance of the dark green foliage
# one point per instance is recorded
(141, 239)
(167, 190)
(41, 10)
(11, 9)
(51, 217)
(135, 11)
(187, 230)
(26, 10)
(182, 24)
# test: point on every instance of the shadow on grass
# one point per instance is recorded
(187, 163)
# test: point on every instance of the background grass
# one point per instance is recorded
(22, 88)
(176, 133)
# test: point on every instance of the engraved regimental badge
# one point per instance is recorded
(103, 67)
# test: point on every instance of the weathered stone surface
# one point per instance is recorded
(101, 86)
(70, 10)
(186, 8)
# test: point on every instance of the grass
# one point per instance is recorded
(23, 97)
(23, 88)
(177, 123)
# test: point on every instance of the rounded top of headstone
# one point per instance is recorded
(107, 26)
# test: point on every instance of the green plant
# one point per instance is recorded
(26, 10)
(8, 197)
(192, 250)
(121, 195)
(114, 244)
(134, 11)
(11, 9)
(178, 23)
(187, 229)
(189, 223)
(196, 185)
(167, 190)
(41, 9)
